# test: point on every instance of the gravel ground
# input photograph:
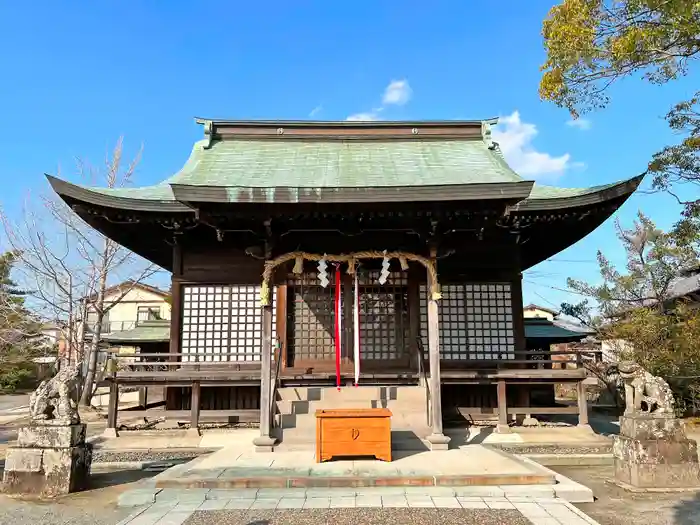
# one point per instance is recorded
(101, 456)
(18, 512)
(563, 450)
(366, 516)
(96, 506)
(615, 506)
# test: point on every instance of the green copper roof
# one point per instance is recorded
(343, 164)
(281, 168)
(146, 332)
(545, 329)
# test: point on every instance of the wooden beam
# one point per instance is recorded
(542, 410)
(209, 416)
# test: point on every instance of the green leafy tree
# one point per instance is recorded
(638, 309)
(591, 44)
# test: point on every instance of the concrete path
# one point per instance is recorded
(13, 401)
(245, 507)
(13, 407)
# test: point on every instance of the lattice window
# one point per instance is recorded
(476, 321)
(219, 319)
(311, 332)
(384, 329)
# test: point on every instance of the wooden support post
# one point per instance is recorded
(264, 442)
(112, 410)
(195, 405)
(176, 314)
(143, 397)
(582, 405)
(437, 440)
(502, 427)
(525, 419)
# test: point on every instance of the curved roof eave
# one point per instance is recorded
(579, 197)
(100, 198)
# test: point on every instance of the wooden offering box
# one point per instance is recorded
(353, 432)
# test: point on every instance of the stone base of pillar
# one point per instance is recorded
(193, 432)
(585, 427)
(438, 441)
(110, 433)
(264, 444)
(530, 421)
(48, 461)
(503, 429)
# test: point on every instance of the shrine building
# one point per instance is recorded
(349, 264)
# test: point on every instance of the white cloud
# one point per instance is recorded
(515, 139)
(398, 92)
(581, 123)
(315, 111)
(359, 117)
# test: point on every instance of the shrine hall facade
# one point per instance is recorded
(258, 205)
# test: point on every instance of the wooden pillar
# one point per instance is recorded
(195, 403)
(582, 405)
(112, 410)
(264, 442)
(176, 307)
(502, 427)
(143, 397)
(437, 439)
(414, 324)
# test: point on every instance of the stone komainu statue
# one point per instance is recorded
(644, 393)
(54, 400)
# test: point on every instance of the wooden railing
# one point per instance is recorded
(131, 364)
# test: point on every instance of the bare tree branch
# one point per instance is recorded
(67, 266)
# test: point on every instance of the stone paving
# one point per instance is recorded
(235, 467)
(174, 507)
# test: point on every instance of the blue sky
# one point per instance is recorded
(76, 76)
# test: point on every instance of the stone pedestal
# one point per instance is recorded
(653, 452)
(48, 461)
(438, 441)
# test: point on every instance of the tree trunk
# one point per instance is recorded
(98, 305)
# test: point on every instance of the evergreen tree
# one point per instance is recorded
(20, 332)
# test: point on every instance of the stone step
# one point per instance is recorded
(399, 420)
(401, 439)
(308, 421)
(360, 393)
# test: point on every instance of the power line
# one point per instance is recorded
(555, 288)
(545, 300)
(577, 261)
